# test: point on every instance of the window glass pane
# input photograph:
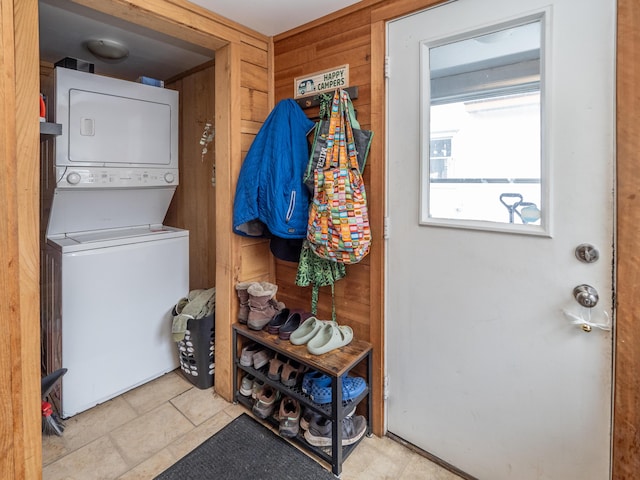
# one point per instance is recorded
(484, 148)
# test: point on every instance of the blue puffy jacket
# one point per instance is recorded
(270, 188)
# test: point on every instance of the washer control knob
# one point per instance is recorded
(74, 178)
(169, 177)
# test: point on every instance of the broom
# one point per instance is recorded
(51, 423)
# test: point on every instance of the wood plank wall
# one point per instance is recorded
(255, 260)
(20, 437)
(343, 40)
(194, 204)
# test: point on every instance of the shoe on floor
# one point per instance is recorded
(319, 433)
(289, 416)
(265, 402)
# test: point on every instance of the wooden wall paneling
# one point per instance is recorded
(255, 105)
(247, 140)
(341, 40)
(254, 77)
(227, 152)
(20, 439)
(377, 181)
(327, 28)
(193, 207)
(255, 54)
(242, 92)
(9, 252)
(626, 431)
(255, 260)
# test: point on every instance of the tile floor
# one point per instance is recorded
(142, 432)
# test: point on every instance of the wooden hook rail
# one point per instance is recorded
(314, 100)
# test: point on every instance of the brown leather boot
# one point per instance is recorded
(262, 304)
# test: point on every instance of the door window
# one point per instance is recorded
(482, 162)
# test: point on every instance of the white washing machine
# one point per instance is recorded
(115, 293)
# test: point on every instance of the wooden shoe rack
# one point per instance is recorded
(335, 363)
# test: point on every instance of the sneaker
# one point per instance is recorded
(257, 387)
(289, 417)
(307, 417)
(292, 373)
(319, 433)
(246, 387)
(246, 357)
(261, 358)
(265, 402)
(353, 429)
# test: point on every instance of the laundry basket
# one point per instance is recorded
(196, 351)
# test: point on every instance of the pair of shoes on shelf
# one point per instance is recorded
(289, 417)
(286, 322)
(254, 355)
(321, 336)
(288, 414)
(318, 386)
(287, 371)
(251, 386)
(265, 403)
(258, 304)
(292, 373)
(319, 432)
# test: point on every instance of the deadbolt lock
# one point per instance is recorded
(587, 253)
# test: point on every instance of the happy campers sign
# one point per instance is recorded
(319, 82)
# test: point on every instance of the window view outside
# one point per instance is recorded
(484, 158)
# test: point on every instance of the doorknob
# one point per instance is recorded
(586, 295)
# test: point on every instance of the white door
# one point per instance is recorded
(500, 164)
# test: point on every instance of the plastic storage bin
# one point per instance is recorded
(196, 352)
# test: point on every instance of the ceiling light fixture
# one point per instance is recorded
(107, 49)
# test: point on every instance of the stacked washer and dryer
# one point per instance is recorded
(113, 270)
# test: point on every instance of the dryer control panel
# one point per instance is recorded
(69, 177)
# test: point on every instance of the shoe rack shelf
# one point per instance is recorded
(335, 363)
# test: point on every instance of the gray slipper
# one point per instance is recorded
(330, 337)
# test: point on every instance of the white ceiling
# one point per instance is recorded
(66, 26)
(272, 17)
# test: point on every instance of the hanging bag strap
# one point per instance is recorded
(350, 147)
